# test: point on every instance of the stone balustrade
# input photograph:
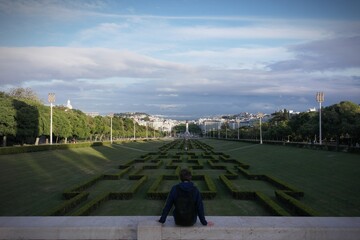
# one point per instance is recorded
(146, 227)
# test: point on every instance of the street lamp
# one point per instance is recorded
(226, 129)
(260, 115)
(205, 127)
(146, 130)
(111, 115)
(134, 130)
(238, 122)
(51, 99)
(219, 126)
(320, 99)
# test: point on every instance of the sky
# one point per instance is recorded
(182, 59)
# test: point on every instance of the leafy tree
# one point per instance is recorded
(342, 120)
(27, 121)
(279, 117)
(78, 122)
(24, 94)
(7, 117)
(61, 125)
(44, 121)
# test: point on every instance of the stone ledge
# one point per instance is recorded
(147, 227)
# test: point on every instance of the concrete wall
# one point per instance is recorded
(147, 227)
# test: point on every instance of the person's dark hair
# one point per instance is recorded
(185, 175)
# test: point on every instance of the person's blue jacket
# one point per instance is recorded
(186, 186)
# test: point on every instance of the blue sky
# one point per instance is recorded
(182, 59)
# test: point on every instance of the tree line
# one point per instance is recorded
(24, 119)
(340, 125)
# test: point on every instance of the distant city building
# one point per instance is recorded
(155, 122)
(233, 121)
(92, 114)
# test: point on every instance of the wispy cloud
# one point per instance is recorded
(253, 32)
(42, 63)
(63, 10)
(337, 53)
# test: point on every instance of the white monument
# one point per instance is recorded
(68, 105)
(187, 133)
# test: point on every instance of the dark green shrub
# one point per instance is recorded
(283, 186)
(273, 207)
(295, 205)
(82, 186)
(68, 205)
(92, 205)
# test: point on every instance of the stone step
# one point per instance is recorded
(147, 227)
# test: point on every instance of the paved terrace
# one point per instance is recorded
(146, 227)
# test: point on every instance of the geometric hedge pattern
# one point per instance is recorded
(279, 197)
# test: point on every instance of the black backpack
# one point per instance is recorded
(185, 207)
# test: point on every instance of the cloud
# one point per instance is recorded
(63, 10)
(43, 63)
(251, 32)
(176, 64)
(247, 57)
(167, 107)
(337, 53)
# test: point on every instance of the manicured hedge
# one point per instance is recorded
(154, 194)
(263, 199)
(73, 191)
(46, 147)
(92, 205)
(117, 175)
(208, 194)
(69, 193)
(207, 156)
(249, 175)
(239, 163)
(272, 206)
(68, 205)
(96, 202)
(170, 164)
(138, 184)
(194, 160)
(231, 174)
(215, 166)
(295, 205)
(284, 186)
(157, 165)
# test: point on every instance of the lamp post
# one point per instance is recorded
(238, 122)
(51, 99)
(146, 130)
(320, 99)
(134, 130)
(226, 129)
(260, 115)
(205, 127)
(111, 115)
(219, 126)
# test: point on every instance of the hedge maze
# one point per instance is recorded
(160, 170)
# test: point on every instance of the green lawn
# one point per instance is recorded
(330, 180)
(32, 183)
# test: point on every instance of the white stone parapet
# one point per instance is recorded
(147, 228)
